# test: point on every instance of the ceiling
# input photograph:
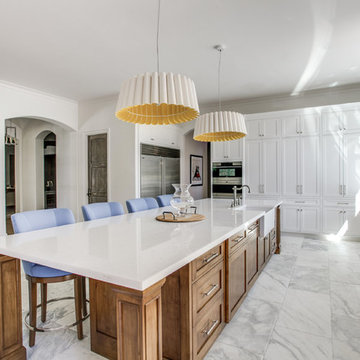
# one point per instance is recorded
(85, 48)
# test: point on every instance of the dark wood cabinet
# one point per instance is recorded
(236, 279)
(11, 347)
(261, 252)
(252, 256)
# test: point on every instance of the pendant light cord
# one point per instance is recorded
(219, 77)
(157, 38)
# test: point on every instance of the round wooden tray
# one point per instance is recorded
(186, 218)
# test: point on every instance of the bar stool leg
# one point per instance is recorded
(83, 295)
(32, 310)
(78, 305)
(43, 301)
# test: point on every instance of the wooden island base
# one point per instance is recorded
(11, 347)
(180, 318)
(126, 323)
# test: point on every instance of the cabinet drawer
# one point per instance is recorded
(252, 228)
(208, 328)
(298, 202)
(204, 262)
(237, 241)
(208, 287)
(339, 203)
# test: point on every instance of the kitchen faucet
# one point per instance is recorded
(238, 201)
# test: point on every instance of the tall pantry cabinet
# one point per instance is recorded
(310, 158)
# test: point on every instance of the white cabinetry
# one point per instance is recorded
(341, 121)
(319, 166)
(267, 128)
(224, 151)
(301, 218)
(262, 166)
(301, 166)
(351, 182)
(335, 216)
(300, 125)
(341, 164)
(160, 135)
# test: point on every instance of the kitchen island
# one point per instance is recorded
(138, 267)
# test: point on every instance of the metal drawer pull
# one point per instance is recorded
(343, 203)
(211, 257)
(252, 227)
(213, 288)
(212, 327)
(238, 239)
(300, 202)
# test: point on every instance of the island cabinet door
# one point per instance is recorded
(261, 252)
(236, 281)
(252, 257)
(10, 310)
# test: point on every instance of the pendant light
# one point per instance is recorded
(157, 98)
(220, 125)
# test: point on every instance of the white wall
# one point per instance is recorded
(17, 101)
(192, 147)
(98, 116)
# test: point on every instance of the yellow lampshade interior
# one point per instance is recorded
(219, 136)
(154, 114)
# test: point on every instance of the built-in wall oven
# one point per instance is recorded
(224, 177)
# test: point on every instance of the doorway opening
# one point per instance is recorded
(49, 145)
(10, 203)
(97, 168)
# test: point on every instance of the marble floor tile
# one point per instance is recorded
(312, 244)
(344, 272)
(313, 259)
(344, 257)
(307, 312)
(345, 328)
(49, 345)
(310, 279)
(251, 328)
(291, 245)
(281, 267)
(228, 352)
(288, 344)
(346, 350)
(345, 299)
(269, 287)
(81, 351)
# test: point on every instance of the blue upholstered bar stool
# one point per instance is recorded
(39, 274)
(164, 200)
(141, 204)
(101, 210)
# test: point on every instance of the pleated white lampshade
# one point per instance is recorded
(157, 99)
(220, 126)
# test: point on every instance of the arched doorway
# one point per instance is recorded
(49, 146)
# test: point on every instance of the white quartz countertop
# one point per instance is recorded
(132, 250)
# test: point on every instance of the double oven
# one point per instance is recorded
(224, 176)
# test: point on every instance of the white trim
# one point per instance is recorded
(27, 90)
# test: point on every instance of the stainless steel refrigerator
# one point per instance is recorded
(159, 169)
